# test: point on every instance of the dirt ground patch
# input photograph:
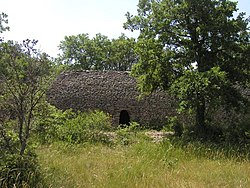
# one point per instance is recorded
(158, 136)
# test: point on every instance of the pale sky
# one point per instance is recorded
(49, 21)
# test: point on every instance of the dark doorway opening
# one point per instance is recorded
(124, 118)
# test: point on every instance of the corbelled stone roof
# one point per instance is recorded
(110, 91)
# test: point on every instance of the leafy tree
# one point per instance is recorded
(25, 74)
(82, 52)
(122, 55)
(99, 53)
(74, 51)
(196, 50)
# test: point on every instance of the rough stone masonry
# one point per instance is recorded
(113, 92)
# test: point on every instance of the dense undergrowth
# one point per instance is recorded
(126, 157)
(84, 150)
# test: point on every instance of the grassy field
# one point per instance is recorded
(141, 164)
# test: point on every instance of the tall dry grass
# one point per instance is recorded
(141, 164)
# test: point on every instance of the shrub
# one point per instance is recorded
(17, 170)
(238, 133)
(48, 120)
(85, 127)
(126, 134)
(20, 171)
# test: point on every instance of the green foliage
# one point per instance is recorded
(8, 138)
(48, 121)
(207, 84)
(20, 171)
(98, 53)
(196, 50)
(127, 134)
(237, 133)
(85, 127)
(122, 56)
(25, 75)
(173, 124)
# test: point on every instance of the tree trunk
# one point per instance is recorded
(21, 136)
(23, 146)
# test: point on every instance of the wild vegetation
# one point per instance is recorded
(24, 76)
(195, 50)
(127, 157)
(143, 164)
(84, 150)
(98, 53)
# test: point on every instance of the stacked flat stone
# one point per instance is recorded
(111, 92)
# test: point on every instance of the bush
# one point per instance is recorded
(20, 171)
(16, 170)
(126, 134)
(238, 133)
(48, 120)
(85, 127)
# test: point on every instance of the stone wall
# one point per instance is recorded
(112, 92)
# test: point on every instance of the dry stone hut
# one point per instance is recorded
(113, 92)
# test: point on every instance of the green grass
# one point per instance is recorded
(141, 164)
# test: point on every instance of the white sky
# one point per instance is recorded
(49, 21)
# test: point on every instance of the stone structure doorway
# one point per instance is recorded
(124, 118)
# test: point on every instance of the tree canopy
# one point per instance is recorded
(196, 50)
(98, 53)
